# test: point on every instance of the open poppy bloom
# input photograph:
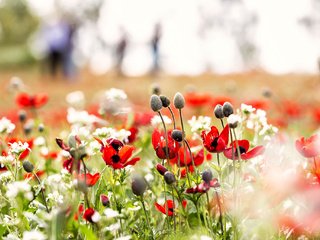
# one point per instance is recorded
(195, 99)
(35, 101)
(185, 160)
(91, 215)
(215, 142)
(204, 187)
(243, 148)
(159, 145)
(309, 147)
(90, 179)
(168, 206)
(117, 155)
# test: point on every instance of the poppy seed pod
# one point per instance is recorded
(178, 101)
(227, 109)
(169, 177)
(41, 127)
(218, 111)
(155, 103)
(207, 176)
(165, 101)
(161, 169)
(138, 186)
(27, 166)
(155, 89)
(177, 135)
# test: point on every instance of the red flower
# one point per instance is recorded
(215, 142)
(88, 214)
(308, 147)
(187, 161)
(159, 145)
(35, 101)
(50, 155)
(90, 179)
(169, 206)
(244, 153)
(79, 212)
(117, 155)
(133, 135)
(31, 176)
(196, 99)
(204, 187)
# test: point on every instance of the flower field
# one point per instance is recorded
(235, 157)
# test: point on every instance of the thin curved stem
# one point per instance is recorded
(42, 193)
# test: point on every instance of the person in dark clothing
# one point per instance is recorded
(120, 52)
(155, 47)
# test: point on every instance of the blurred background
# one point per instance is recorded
(180, 37)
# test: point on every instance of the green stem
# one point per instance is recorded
(173, 118)
(166, 138)
(42, 193)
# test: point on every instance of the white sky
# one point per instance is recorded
(282, 44)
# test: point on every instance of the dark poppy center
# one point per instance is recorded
(214, 143)
(241, 149)
(115, 158)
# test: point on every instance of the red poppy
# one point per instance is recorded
(243, 148)
(292, 109)
(215, 142)
(308, 147)
(31, 176)
(204, 187)
(220, 100)
(185, 160)
(35, 101)
(169, 206)
(79, 212)
(159, 145)
(88, 213)
(195, 99)
(90, 179)
(117, 155)
(258, 104)
(50, 155)
(133, 135)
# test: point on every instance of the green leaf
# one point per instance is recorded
(87, 232)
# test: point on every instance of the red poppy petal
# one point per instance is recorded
(155, 138)
(23, 100)
(245, 144)
(125, 153)
(132, 161)
(253, 153)
(40, 100)
(225, 134)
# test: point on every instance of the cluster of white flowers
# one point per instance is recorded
(39, 141)
(114, 101)
(115, 94)
(4, 160)
(110, 213)
(82, 118)
(55, 197)
(6, 177)
(156, 120)
(18, 147)
(198, 124)
(105, 132)
(256, 120)
(6, 126)
(14, 188)
(33, 235)
(76, 99)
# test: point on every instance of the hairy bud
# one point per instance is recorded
(27, 166)
(169, 177)
(155, 103)
(178, 101)
(165, 101)
(227, 109)
(138, 186)
(207, 176)
(177, 135)
(218, 111)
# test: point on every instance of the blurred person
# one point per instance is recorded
(155, 47)
(120, 51)
(58, 36)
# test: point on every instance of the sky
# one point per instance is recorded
(222, 36)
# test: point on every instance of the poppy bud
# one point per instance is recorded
(22, 115)
(161, 169)
(27, 129)
(165, 101)
(227, 109)
(27, 166)
(156, 89)
(218, 111)
(207, 176)
(41, 127)
(178, 101)
(267, 92)
(177, 135)
(233, 120)
(155, 103)
(104, 200)
(169, 177)
(138, 186)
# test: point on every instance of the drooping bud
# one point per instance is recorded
(218, 111)
(27, 128)
(207, 176)
(138, 185)
(155, 89)
(155, 103)
(22, 115)
(178, 101)
(177, 135)
(165, 101)
(227, 109)
(27, 166)
(104, 200)
(169, 177)
(161, 169)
